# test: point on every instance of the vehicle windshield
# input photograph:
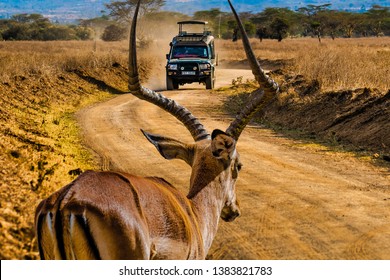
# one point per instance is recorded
(189, 51)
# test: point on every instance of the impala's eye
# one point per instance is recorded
(237, 167)
(217, 153)
(234, 173)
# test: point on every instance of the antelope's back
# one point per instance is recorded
(100, 213)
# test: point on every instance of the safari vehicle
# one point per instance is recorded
(191, 57)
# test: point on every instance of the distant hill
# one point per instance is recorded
(63, 11)
(71, 10)
(189, 6)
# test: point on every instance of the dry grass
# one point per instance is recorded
(51, 58)
(338, 64)
(47, 59)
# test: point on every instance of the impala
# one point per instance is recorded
(112, 215)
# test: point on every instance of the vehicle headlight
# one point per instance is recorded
(172, 66)
(204, 66)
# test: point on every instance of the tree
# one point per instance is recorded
(312, 10)
(83, 33)
(213, 17)
(29, 18)
(261, 33)
(58, 33)
(95, 26)
(250, 28)
(313, 21)
(330, 21)
(279, 27)
(37, 27)
(114, 32)
(16, 31)
(349, 23)
(276, 23)
(122, 11)
(378, 19)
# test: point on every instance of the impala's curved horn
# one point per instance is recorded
(267, 91)
(196, 129)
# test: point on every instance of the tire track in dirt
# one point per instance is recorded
(298, 201)
(370, 242)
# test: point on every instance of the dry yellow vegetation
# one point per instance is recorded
(336, 64)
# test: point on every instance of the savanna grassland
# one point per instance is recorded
(335, 89)
(337, 64)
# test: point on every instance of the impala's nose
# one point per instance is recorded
(229, 214)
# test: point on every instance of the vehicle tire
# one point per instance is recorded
(170, 84)
(210, 83)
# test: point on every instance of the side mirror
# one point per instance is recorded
(167, 56)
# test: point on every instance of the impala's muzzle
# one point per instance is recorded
(230, 212)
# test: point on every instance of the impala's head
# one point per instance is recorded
(213, 158)
(215, 164)
(223, 149)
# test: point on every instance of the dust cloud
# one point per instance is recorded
(158, 34)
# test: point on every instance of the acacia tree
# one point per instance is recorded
(314, 22)
(331, 22)
(232, 28)
(350, 22)
(279, 27)
(30, 18)
(378, 19)
(275, 23)
(114, 32)
(215, 17)
(37, 27)
(122, 11)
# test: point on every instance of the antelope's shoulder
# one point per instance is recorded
(162, 182)
(91, 188)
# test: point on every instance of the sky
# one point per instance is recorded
(78, 9)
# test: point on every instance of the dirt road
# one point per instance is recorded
(298, 201)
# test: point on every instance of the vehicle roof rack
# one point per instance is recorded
(184, 36)
(193, 22)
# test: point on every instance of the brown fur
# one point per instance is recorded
(112, 215)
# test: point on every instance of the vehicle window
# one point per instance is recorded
(189, 51)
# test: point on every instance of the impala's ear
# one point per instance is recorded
(170, 148)
(223, 146)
